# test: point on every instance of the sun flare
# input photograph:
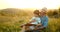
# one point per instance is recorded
(50, 4)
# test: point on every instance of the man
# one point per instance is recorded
(44, 21)
(44, 18)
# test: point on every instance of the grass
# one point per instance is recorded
(12, 23)
(53, 26)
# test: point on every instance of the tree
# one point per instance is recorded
(55, 14)
(50, 13)
(59, 10)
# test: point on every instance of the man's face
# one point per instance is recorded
(43, 12)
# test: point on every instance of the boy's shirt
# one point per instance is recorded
(37, 20)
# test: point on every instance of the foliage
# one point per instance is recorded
(53, 13)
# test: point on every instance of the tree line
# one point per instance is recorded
(54, 13)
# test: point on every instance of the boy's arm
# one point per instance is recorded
(39, 22)
(32, 20)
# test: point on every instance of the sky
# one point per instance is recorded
(50, 4)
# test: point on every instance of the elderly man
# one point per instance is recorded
(44, 18)
(44, 21)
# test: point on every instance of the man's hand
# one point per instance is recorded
(39, 24)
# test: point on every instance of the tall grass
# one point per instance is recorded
(53, 25)
(12, 23)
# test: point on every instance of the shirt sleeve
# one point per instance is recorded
(46, 22)
(32, 18)
(39, 20)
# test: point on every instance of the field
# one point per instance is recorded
(12, 19)
(53, 25)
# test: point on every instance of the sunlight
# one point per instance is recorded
(50, 4)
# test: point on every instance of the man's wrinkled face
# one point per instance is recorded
(43, 12)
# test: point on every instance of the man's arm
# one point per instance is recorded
(45, 22)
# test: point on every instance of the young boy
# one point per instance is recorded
(35, 19)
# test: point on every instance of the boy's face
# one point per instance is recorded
(35, 15)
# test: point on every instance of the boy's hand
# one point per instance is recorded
(32, 21)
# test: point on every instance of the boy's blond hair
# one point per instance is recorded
(36, 12)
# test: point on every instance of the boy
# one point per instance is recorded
(35, 20)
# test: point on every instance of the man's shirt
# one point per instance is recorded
(44, 21)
